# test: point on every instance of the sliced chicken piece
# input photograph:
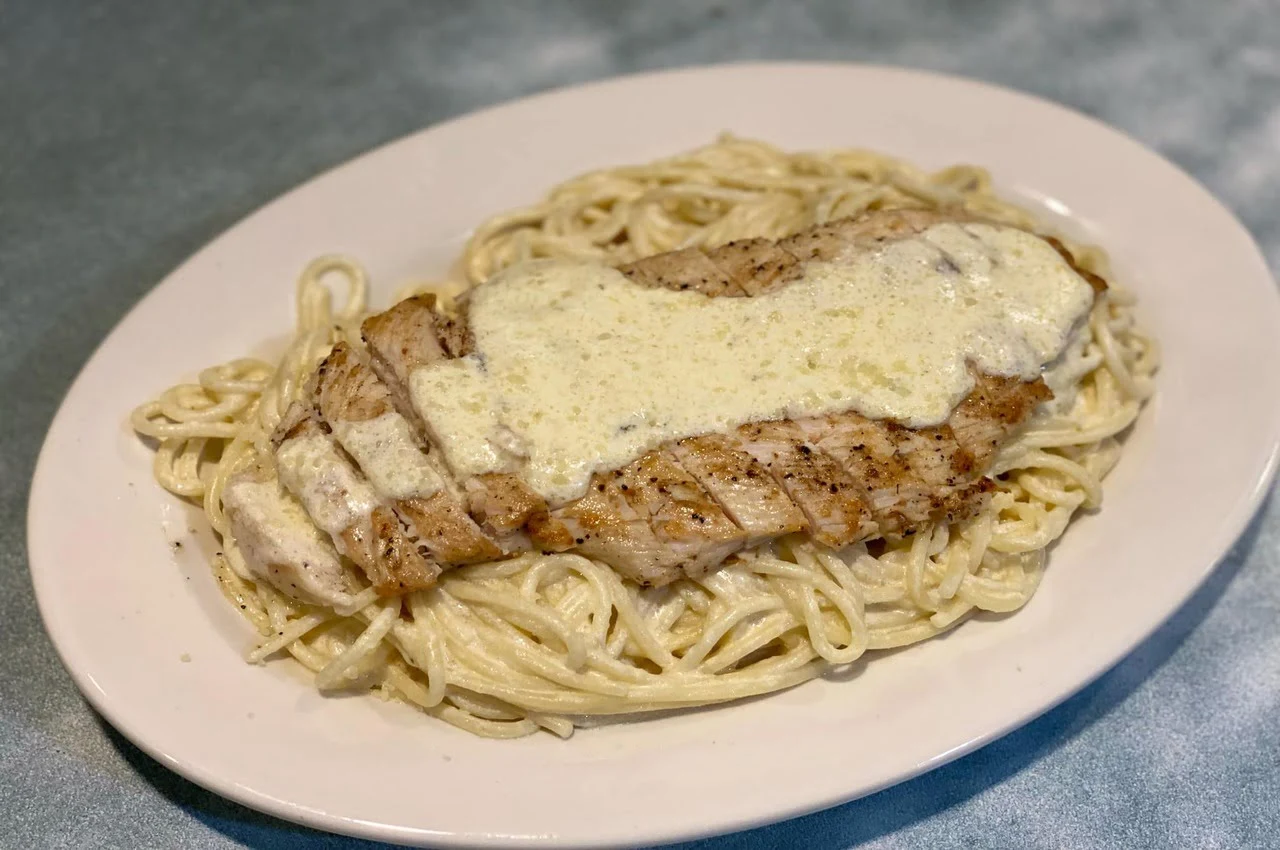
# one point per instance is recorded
(868, 452)
(347, 390)
(551, 532)
(992, 412)
(942, 475)
(358, 407)
(830, 498)
(906, 474)
(405, 338)
(824, 243)
(756, 266)
(446, 529)
(741, 485)
(279, 542)
(886, 225)
(681, 513)
(502, 503)
(400, 340)
(343, 504)
(681, 270)
(398, 564)
(604, 526)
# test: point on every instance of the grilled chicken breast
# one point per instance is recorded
(680, 509)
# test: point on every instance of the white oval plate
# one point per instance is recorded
(125, 604)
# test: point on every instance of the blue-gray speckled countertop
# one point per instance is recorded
(131, 134)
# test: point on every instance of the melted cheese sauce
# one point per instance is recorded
(385, 450)
(329, 488)
(577, 369)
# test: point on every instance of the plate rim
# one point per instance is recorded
(116, 714)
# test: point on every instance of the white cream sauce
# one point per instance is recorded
(324, 481)
(465, 425)
(577, 369)
(1063, 375)
(281, 545)
(387, 453)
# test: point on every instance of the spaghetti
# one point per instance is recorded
(554, 641)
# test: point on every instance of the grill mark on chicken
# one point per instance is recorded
(392, 561)
(685, 269)
(400, 339)
(603, 525)
(992, 411)
(829, 496)
(347, 389)
(756, 266)
(823, 243)
(907, 476)
(741, 485)
(502, 503)
(683, 515)
(454, 331)
(447, 531)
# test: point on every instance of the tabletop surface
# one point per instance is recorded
(131, 134)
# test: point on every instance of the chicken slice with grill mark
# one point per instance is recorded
(687, 268)
(823, 243)
(604, 526)
(400, 466)
(448, 531)
(347, 390)
(405, 338)
(907, 475)
(401, 339)
(741, 485)
(399, 565)
(681, 513)
(757, 266)
(343, 504)
(502, 503)
(992, 412)
(829, 496)
(865, 231)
